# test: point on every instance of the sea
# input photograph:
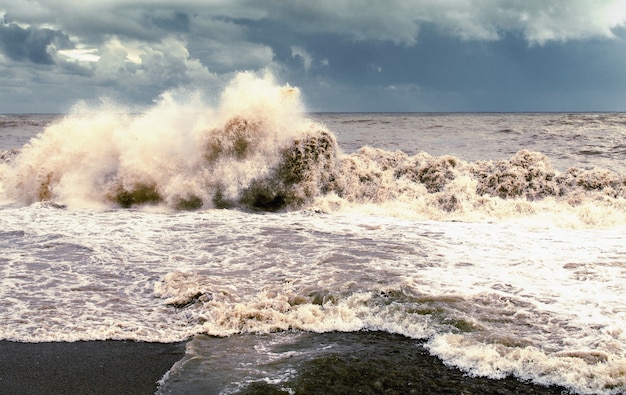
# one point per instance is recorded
(297, 251)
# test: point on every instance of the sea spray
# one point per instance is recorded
(256, 149)
(185, 155)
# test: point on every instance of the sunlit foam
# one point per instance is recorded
(256, 149)
(485, 334)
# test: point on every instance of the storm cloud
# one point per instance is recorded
(385, 55)
(30, 44)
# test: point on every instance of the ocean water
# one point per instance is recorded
(296, 249)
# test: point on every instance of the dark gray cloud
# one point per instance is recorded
(31, 44)
(174, 22)
(405, 55)
(398, 21)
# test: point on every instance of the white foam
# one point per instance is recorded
(176, 150)
(586, 371)
(256, 148)
(494, 300)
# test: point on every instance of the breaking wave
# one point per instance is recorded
(257, 150)
(485, 335)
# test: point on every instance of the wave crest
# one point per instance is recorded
(257, 150)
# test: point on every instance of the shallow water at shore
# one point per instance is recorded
(325, 363)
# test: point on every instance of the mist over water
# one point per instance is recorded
(492, 241)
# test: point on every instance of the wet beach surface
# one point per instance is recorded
(359, 363)
(93, 367)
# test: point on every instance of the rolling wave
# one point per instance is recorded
(257, 150)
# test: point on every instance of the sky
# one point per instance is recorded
(344, 55)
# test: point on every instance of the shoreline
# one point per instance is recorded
(129, 367)
(85, 367)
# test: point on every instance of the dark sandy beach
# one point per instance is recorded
(94, 367)
(126, 367)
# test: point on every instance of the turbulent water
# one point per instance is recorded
(277, 239)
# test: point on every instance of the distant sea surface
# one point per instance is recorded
(291, 247)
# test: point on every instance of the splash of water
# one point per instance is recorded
(256, 149)
(185, 155)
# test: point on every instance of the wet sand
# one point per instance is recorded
(94, 367)
(126, 367)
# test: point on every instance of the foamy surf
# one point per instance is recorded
(488, 317)
(257, 149)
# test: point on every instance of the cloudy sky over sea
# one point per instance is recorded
(345, 55)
